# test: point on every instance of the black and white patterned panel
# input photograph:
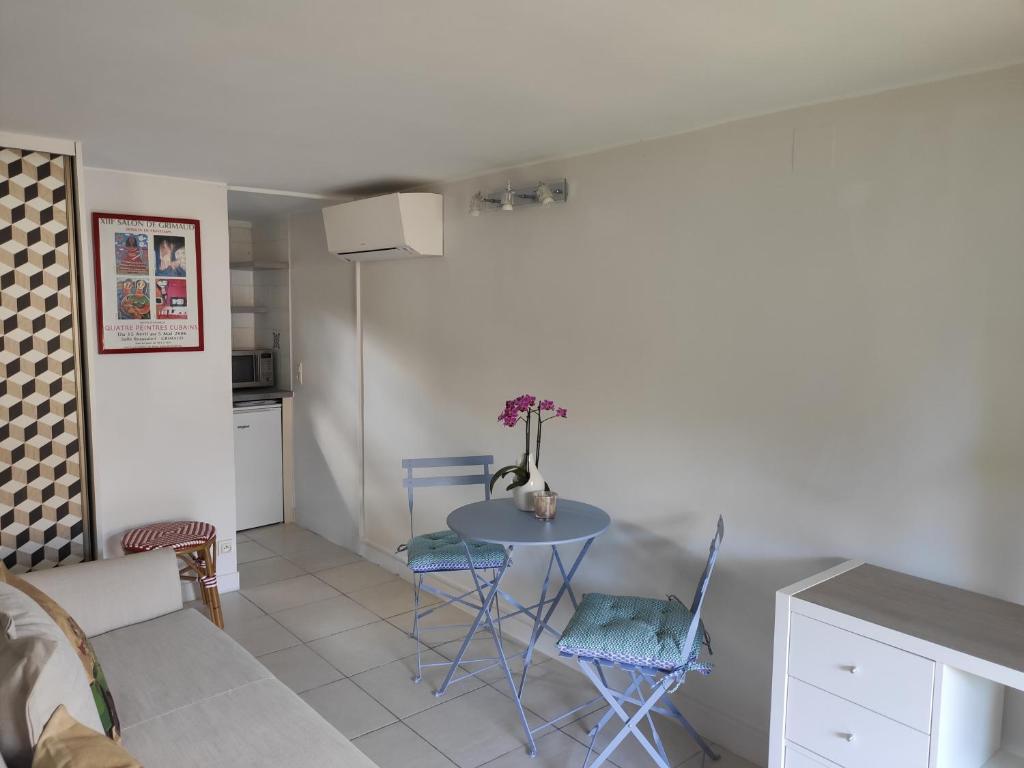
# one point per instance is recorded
(41, 512)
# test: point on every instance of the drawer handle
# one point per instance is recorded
(851, 668)
(847, 736)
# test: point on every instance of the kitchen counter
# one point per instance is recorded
(261, 393)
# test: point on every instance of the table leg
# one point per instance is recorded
(532, 746)
(541, 622)
(537, 625)
(567, 580)
(485, 613)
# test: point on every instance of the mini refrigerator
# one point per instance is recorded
(259, 485)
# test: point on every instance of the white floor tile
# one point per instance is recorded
(363, 648)
(444, 616)
(392, 685)
(355, 576)
(678, 744)
(236, 608)
(398, 746)
(472, 729)
(729, 760)
(322, 557)
(324, 617)
(300, 668)
(249, 551)
(391, 598)
(552, 689)
(260, 572)
(473, 725)
(281, 595)
(300, 542)
(348, 708)
(482, 647)
(554, 750)
(233, 606)
(279, 537)
(261, 635)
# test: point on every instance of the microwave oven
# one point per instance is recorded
(252, 368)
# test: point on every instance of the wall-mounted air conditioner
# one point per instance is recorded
(398, 226)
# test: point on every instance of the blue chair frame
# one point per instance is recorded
(410, 482)
(660, 684)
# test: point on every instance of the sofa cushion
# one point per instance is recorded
(40, 671)
(170, 662)
(143, 587)
(66, 743)
(263, 723)
(76, 637)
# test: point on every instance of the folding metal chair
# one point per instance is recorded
(657, 642)
(443, 551)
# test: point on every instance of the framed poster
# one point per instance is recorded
(149, 286)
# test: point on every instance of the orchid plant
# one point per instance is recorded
(526, 408)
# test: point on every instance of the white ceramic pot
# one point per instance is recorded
(522, 495)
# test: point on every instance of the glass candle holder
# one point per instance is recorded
(544, 503)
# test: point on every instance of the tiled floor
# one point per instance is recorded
(333, 627)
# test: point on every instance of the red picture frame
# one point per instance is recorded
(151, 276)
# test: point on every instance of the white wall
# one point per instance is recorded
(271, 290)
(809, 323)
(262, 240)
(328, 457)
(243, 286)
(161, 423)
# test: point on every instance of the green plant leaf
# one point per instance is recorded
(512, 469)
(521, 477)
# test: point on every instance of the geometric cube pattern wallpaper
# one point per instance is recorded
(42, 518)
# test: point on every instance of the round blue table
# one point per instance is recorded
(498, 521)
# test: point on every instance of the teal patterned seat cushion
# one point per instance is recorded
(634, 630)
(443, 551)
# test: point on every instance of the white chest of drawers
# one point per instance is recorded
(878, 669)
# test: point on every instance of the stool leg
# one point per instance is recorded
(209, 583)
(196, 560)
(191, 560)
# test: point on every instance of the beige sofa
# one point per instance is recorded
(186, 693)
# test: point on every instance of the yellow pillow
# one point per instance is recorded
(66, 743)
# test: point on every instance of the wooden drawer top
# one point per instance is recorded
(977, 625)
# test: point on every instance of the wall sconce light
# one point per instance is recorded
(543, 193)
(508, 200)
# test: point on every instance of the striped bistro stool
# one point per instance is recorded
(195, 543)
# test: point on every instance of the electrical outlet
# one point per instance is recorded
(225, 547)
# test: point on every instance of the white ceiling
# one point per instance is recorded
(331, 95)
(249, 205)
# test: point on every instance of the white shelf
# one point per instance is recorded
(257, 265)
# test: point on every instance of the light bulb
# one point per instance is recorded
(508, 200)
(543, 194)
